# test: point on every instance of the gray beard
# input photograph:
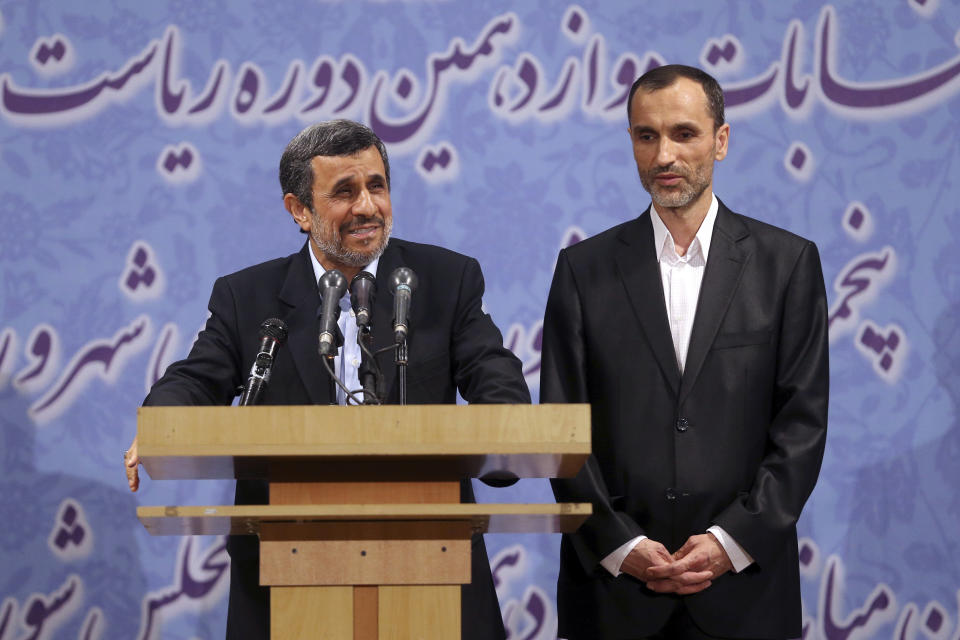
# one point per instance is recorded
(331, 246)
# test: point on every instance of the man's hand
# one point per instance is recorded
(652, 564)
(131, 465)
(696, 564)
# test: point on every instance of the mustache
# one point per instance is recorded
(670, 168)
(361, 221)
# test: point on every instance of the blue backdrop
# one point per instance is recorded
(139, 145)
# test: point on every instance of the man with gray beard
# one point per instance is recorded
(699, 337)
(335, 178)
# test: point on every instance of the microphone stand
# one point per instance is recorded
(368, 370)
(400, 357)
(331, 378)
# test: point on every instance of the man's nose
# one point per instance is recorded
(666, 152)
(364, 204)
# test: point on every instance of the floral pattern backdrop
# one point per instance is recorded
(139, 145)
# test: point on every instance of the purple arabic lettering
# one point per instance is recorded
(592, 64)
(934, 618)
(43, 352)
(8, 348)
(794, 96)
(533, 620)
(100, 357)
(248, 89)
(159, 359)
(556, 99)
(211, 92)
(351, 74)
(45, 51)
(885, 348)
(743, 93)
(856, 279)
(323, 80)
(627, 70)
(531, 78)
(877, 95)
(904, 624)
(511, 559)
(90, 629)
(170, 99)
(59, 606)
(174, 93)
(536, 606)
(881, 606)
(7, 613)
(293, 76)
(186, 587)
(455, 58)
(39, 105)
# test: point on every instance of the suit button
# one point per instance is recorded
(671, 494)
(683, 424)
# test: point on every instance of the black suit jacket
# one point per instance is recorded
(453, 345)
(736, 441)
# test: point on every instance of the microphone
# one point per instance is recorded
(403, 282)
(273, 333)
(332, 287)
(363, 289)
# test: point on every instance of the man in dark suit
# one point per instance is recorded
(699, 337)
(336, 182)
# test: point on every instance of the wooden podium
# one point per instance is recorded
(365, 536)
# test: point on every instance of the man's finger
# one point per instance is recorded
(692, 577)
(664, 571)
(687, 589)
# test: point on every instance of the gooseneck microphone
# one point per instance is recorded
(332, 287)
(363, 289)
(273, 333)
(402, 283)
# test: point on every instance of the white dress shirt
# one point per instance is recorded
(346, 363)
(682, 276)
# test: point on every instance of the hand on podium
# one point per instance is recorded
(131, 463)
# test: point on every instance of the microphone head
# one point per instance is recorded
(402, 276)
(333, 282)
(274, 328)
(363, 288)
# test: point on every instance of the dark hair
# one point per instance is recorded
(331, 138)
(662, 77)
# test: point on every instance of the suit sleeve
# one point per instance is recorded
(758, 520)
(563, 379)
(210, 374)
(485, 371)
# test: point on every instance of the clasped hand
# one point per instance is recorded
(690, 569)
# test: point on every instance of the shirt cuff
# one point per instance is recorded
(615, 559)
(739, 557)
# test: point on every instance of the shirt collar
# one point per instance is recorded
(704, 233)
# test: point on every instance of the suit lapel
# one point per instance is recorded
(299, 293)
(639, 268)
(720, 279)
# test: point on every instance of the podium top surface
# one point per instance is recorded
(419, 442)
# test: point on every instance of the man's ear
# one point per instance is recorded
(722, 141)
(301, 214)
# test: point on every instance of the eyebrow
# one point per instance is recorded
(347, 180)
(641, 128)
